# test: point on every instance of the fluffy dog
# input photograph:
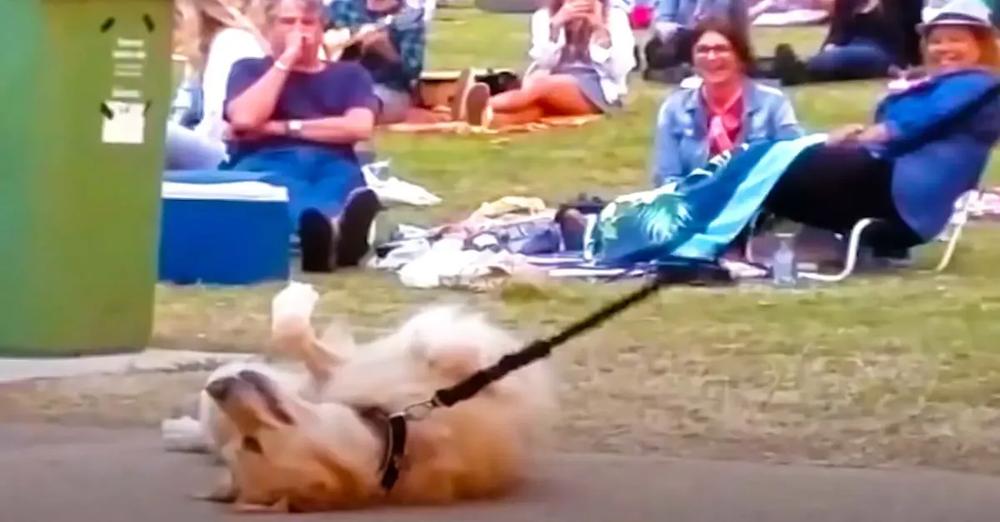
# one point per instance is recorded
(313, 440)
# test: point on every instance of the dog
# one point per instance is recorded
(313, 439)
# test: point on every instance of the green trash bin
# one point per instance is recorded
(86, 89)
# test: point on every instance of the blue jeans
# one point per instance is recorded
(857, 60)
(187, 149)
(315, 177)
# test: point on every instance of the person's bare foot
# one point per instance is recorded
(477, 105)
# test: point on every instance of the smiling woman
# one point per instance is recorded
(928, 145)
(721, 110)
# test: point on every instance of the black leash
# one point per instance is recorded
(538, 349)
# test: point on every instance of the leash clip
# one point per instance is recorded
(420, 410)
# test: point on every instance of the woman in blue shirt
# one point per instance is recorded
(720, 109)
(929, 144)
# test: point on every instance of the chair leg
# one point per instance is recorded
(958, 222)
(851, 259)
(949, 250)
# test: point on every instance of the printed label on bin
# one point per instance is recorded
(126, 122)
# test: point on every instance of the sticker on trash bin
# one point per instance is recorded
(124, 122)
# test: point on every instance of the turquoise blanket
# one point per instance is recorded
(698, 217)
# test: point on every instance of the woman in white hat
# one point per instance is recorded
(929, 144)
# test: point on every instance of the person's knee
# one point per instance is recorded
(848, 63)
(824, 64)
(544, 85)
(393, 105)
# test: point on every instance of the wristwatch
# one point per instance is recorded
(294, 128)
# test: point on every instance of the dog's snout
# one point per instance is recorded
(219, 389)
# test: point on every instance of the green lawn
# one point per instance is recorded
(882, 369)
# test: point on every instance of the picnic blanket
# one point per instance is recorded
(987, 206)
(461, 127)
(698, 217)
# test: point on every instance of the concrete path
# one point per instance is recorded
(59, 474)
(19, 369)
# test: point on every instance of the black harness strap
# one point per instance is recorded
(394, 451)
(392, 430)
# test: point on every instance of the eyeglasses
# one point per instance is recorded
(717, 49)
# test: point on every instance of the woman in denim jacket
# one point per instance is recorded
(720, 109)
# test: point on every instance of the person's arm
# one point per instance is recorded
(356, 90)
(958, 95)
(546, 43)
(614, 50)
(666, 148)
(405, 49)
(357, 124)
(253, 106)
(785, 123)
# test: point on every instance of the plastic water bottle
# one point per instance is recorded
(783, 268)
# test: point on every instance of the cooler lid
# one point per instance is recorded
(234, 191)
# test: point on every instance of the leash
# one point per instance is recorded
(538, 349)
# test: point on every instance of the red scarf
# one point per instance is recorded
(725, 123)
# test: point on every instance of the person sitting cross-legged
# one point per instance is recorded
(298, 119)
(389, 39)
(668, 52)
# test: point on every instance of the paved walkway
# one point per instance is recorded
(59, 474)
(19, 369)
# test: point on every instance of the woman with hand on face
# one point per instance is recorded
(582, 50)
(928, 145)
(720, 109)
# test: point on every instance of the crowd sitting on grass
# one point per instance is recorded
(298, 105)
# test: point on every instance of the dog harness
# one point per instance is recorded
(392, 430)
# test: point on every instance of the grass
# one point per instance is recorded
(880, 370)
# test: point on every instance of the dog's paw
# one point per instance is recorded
(219, 496)
(225, 491)
(280, 506)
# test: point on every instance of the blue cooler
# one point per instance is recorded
(223, 228)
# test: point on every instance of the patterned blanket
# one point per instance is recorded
(699, 216)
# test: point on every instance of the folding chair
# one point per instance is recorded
(951, 234)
